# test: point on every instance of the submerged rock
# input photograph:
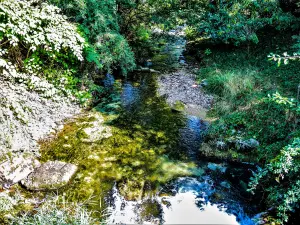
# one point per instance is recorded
(247, 144)
(215, 167)
(15, 169)
(50, 176)
(225, 184)
(150, 211)
(96, 130)
(204, 83)
(178, 106)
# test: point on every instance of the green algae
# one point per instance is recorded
(150, 209)
(140, 156)
(178, 106)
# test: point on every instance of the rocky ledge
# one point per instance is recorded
(26, 117)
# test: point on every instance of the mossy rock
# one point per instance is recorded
(178, 106)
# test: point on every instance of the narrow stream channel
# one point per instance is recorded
(209, 196)
(148, 169)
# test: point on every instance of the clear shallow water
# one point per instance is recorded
(149, 170)
(205, 198)
(187, 204)
(191, 135)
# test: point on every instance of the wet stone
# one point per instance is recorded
(16, 168)
(50, 176)
(225, 184)
(96, 130)
(216, 167)
(247, 144)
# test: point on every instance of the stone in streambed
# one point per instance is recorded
(216, 167)
(50, 176)
(96, 130)
(16, 168)
(178, 106)
(225, 184)
(247, 144)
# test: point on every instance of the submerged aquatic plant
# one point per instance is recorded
(140, 155)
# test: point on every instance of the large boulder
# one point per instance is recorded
(50, 176)
(15, 168)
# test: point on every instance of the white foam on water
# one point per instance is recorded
(122, 212)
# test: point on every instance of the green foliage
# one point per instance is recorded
(283, 175)
(248, 105)
(236, 22)
(98, 22)
(285, 57)
(239, 76)
(57, 211)
(40, 49)
(35, 33)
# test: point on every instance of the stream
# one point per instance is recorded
(147, 169)
(210, 195)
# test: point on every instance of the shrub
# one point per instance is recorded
(281, 177)
(236, 22)
(33, 32)
(56, 211)
(98, 23)
(39, 49)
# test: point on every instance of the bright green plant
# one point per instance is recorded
(98, 23)
(281, 176)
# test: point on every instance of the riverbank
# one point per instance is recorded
(136, 155)
(255, 111)
(26, 117)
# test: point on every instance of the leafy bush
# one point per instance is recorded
(33, 32)
(39, 49)
(98, 23)
(284, 169)
(236, 22)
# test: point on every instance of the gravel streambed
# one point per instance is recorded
(181, 87)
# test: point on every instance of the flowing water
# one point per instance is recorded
(206, 197)
(149, 170)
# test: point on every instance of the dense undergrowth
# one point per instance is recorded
(257, 99)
